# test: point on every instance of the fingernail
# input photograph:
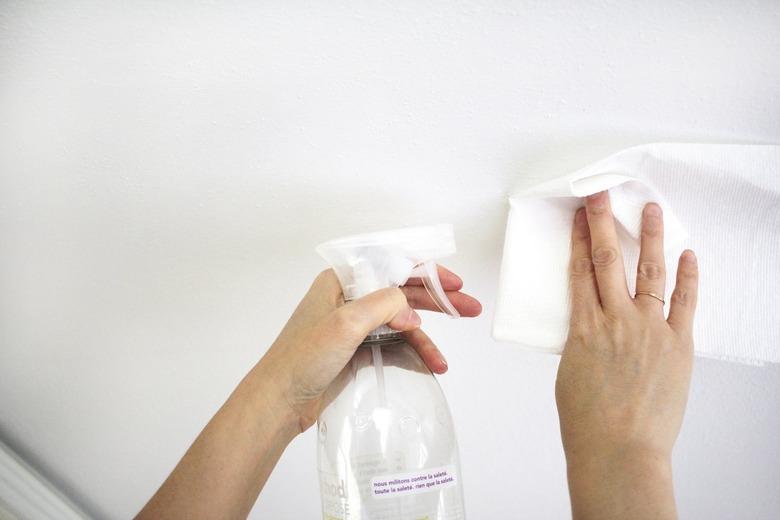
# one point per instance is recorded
(414, 318)
(689, 256)
(443, 362)
(653, 210)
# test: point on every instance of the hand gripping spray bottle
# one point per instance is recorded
(386, 441)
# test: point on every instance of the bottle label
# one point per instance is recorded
(413, 482)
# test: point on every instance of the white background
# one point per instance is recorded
(166, 170)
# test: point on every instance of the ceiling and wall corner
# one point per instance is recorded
(166, 169)
(25, 493)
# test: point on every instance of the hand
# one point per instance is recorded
(323, 333)
(227, 466)
(623, 380)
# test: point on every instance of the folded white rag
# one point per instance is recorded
(722, 201)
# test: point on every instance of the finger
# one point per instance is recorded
(584, 292)
(605, 252)
(406, 319)
(428, 351)
(685, 294)
(651, 269)
(449, 280)
(466, 305)
(353, 321)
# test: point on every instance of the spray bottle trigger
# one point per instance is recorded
(429, 273)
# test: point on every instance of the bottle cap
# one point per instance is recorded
(371, 261)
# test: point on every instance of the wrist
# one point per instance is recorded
(617, 456)
(297, 385)
(622, 462)
(620, 484)
(266, 387)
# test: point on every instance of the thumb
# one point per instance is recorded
(354, 320)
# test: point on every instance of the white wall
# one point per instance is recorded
(167, 168)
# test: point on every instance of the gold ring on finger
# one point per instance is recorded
(653, 295)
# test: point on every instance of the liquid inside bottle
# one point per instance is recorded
(386, 440)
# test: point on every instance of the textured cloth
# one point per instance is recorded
(722, 201)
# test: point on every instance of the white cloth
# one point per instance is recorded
(726, 198)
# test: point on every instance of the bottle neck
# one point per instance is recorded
(382, 334)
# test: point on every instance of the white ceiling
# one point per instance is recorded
(166, 169)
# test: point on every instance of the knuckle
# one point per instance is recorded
(327, 284)
(681, 296)
(325, 274)
(604, 256)
(582, 267)
(327, 280)
(650, 271)
(581, 232)
(393, 300)
(688, 272)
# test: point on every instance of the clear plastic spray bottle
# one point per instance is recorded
(386, 440)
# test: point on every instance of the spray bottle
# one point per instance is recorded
(386, 440)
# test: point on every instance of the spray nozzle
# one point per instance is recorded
(368, 262)
(429, 274)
